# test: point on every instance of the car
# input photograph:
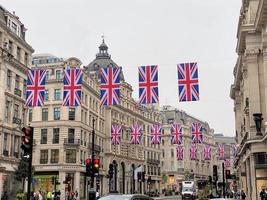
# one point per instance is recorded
(126, 197)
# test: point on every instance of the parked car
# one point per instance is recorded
(126, 197)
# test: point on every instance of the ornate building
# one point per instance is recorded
(175, 171)
(62, 135)
(15, 54)
(249, 94)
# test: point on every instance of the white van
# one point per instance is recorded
(188, 190)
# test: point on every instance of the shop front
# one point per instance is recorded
(261, 171)
(46, 181)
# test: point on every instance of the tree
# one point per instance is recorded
(22, 172)
(187, 175)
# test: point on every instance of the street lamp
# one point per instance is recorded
(258, 119)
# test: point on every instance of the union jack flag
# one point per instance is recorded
(188, 82)
(176, 134)
(148, 84)
(156, 134)
(234, 150)
(116, 134)
(197, 135)
(180, 152)
(207, 152)
(193, 152)
(72, 87)
(221, 152)
(110, 86)
(35, 88)
(227, 163)
(136, 134)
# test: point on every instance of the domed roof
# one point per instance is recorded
(102, 60)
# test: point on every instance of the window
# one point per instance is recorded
(57, 113)
(30, 115)
(71, 135)
(16, 110)
(5, 145)
(44, 114)
(54, 155)
(71, 156)
(24, 88)
(26, 59)
(71, 113)
(43, 136)
(18, 53)
(8, 78)
(163, 153)
(43, 156)
(55, 135)
(10, 47)
(57, 94)
(46, 75)
(14, 27)
(17, 82)
(58, 74)
(7, 112)
(46, 95)
(16, 146)
(172, 153)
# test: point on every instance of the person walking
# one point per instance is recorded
(263, 194)
(49, 195)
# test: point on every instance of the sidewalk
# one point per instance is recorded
(168, 197)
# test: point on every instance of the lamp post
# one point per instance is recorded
(258, 120)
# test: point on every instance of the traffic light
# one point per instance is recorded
(149, 180)
(27, 140)
(143, 176)
(139, 176)
(89, 167)
(111, 170)
(215, 173)
(96, 166)
(227, 174)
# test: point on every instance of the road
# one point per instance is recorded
(168, 198)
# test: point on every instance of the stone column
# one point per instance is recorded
(77, 183)
(252, 64)
(254, 191)
(61, 177)
(248, 178)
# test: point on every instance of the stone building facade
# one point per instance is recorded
(62, 135)
(175, 171)
(15, 57)
(249, 94)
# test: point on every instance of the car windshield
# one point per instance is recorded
(116, 197)
(187, 189)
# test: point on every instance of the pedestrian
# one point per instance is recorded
(243, 195)
(263, 194)
(5, 196)
(97, 195)
(49, 195)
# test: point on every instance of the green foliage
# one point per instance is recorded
(22, 172)
(187, 175)
(164, 178)
(205, 193)
(20, 196)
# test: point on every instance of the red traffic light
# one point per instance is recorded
(88, 161)
(96, 163)
(26, 131)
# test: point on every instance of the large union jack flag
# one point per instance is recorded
(176, 131)
(72, 87)
(193, 152)
(180, 152)
(156, 134)
(136, 134)
(148, 84)
(35, 88)
(221, 152)
(227, 163)
(116, 134)
(110, 86)
(188, 82)
(197, 136)
(207, 152)
(234, 150)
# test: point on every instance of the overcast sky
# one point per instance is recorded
(142, 32)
